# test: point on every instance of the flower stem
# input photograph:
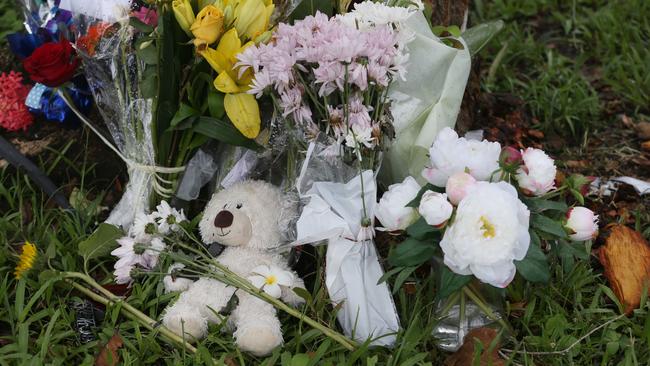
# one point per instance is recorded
(108, 298)
(485, 308)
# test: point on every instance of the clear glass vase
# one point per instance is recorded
(476, 305)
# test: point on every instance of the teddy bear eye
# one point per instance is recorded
(239, 205)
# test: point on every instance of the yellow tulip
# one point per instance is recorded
(241, 108)
(184, 14)
(252, 17)
(208, 26)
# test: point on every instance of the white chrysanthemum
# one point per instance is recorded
(537, 174)
(451, 154)
(369, 13)
(144, 226)
(392, 212)
(435, 208)
(489, 232)
(132, 252)
(168, 218)
(270, 279)
(174, 283)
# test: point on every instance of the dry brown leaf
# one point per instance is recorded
(626, 258)
(645, 145)
(643, 130)
(465, 355)
(109, 356)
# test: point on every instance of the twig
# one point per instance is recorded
(566, 350)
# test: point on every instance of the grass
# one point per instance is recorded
(553, 49)
(564, 58)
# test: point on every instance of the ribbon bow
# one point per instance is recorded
(335, 213)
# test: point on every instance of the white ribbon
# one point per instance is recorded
(334, 213)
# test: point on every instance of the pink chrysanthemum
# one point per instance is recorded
(14, 115)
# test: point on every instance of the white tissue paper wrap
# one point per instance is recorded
(334, 213)
(427, 101)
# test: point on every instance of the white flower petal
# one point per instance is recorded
(257, 281)
(273, 290)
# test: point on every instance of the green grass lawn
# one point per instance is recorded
(577, 65)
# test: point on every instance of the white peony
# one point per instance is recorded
(451, 154)
(537, 173)
(582, 224)
(489, 232)
(435, 208)
(392, 212)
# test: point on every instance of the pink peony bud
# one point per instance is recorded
(582, 224)
(458, 186)
(511, 156)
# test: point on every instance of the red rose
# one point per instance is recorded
(52, 64)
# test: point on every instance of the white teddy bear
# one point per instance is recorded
(249, 218)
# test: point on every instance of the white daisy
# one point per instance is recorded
(168, 218)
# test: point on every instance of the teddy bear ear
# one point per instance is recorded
(288, 215)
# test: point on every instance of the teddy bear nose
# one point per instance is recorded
(224, 219)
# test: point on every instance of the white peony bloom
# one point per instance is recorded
(451, 154)
(582, 224)
(270, 279)
(458, 185)
(435, 208)
(537, 173)
(168, 218)
(489, 232)
(172, 282)
(392, 212)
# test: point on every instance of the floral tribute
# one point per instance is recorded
(487, 210)
(14, 115)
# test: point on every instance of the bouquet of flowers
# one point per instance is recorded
(329, 80)
(487, 213)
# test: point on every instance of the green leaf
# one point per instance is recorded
(389, 274)
(225, 132)
(301, 359)
(420, 229)
(183, 113)
(140, 25)
(540, 205)
(215, 104)
(411, 253)
(101, 242)
(450, 282)
(534, 267)
(548, 226)
(454, 30)
(427, 187)
(148, 54)
(303, 294)
(402, 277)
(479, 36)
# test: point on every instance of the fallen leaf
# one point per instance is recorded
(108, 356)
(536, 134)
(465, 354)
(627, 121)
(626, 258)
(645, 146)
(643, 130)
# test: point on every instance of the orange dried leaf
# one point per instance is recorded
(626, 258)
(465, 354)
(109, 356)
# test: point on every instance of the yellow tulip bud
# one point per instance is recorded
(184, 14)
(208, 25)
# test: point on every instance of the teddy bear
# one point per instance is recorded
(250, 219)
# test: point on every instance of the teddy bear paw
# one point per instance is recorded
(258, 340)
(189, 324)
